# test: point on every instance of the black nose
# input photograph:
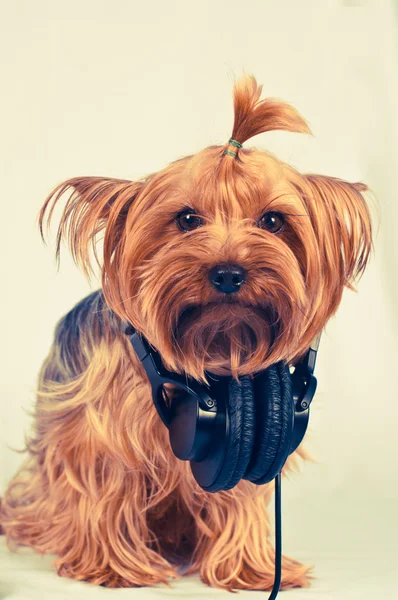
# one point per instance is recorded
(227, 278)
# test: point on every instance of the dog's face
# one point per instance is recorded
(224, 265)
(227, 261)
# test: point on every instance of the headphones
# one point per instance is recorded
(232, 429)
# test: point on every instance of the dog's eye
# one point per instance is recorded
(272, 222)
(188, 220)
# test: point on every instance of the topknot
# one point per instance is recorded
(254, 116)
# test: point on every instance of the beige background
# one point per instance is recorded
(91, 87)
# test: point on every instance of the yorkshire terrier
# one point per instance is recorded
(227, 261)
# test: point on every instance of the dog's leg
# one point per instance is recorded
(98, 464)
(233, 549)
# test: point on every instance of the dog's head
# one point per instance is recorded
(228, 260)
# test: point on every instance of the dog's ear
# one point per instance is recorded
(94, 204)
(342, 224)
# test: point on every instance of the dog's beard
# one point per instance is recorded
(197, 329)
(225, 338)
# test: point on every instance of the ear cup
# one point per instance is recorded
(244, 387)
(240, 440)
(274, 423)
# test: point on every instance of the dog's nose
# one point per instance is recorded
(227, 278)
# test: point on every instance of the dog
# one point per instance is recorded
(227, 261)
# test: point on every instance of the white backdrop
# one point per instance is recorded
(91, 87)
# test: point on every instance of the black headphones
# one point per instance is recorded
(232, 430)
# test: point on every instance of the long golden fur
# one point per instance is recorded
(101, 487)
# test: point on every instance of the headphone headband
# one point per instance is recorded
(303, 381)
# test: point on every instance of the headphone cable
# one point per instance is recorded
(278, 537)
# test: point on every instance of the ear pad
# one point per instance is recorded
(274, 423)
(241, 420)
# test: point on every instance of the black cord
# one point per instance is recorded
(278, 538)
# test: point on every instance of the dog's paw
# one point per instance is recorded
(230, 576)
(118, 577)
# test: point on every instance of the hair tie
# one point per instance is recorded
(236, 144)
